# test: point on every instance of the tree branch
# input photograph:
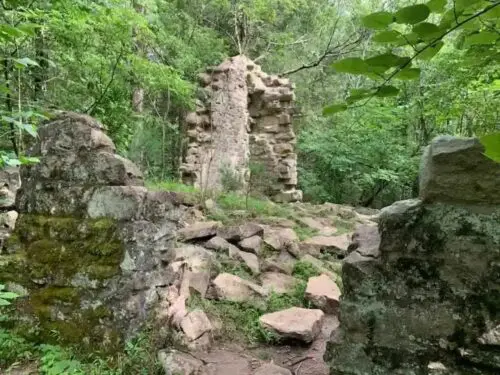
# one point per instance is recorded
(90, 109)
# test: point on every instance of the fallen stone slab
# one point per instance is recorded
(271, 369)
(195, 324)
(198, 230)
(280, 238)
(317, 245)
(240, 232)
(323, 293)
(294, 323)
(233, 288)
(277, 282)
(175, 363)
(252, 244)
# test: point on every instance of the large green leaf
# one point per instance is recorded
(413, 14)
(427, 30)
(390, 36)
(360, 94)
(461, 5)
(491, 143)
(408, 74)
(431, 51)
(386, 60)
(437, 6)
(378, 20)
(352, 65)
(334, 108)
(387, 91)
(483, 37)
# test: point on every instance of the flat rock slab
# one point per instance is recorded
(223, 362)
(277, 282)
(294, 323)
(175, 363)
(198, 231)
(271, 369)
(233, 288)
(323, 293)
(326, 244)
(240, 232)
(252, 244)
(195, 324)
(280, 238)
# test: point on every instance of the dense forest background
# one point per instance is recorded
(133, 64)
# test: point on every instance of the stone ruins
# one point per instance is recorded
(245, 121)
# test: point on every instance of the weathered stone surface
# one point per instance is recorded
(366, 241)
(195, 324)
(252, 244)
(459, 162)
(277, 282)
(240, 232)
(282, 263)
(117, 202)
(198, 231)
(320, 266)
(84, 252)
(270, 369)
(233, 288)
(336, 245)
(249, 122)
(492, 337)
(250, 260)
(280, 238)
(221, 245)
(323, 293)
(177, 363)
(431, 290)
(295, 323)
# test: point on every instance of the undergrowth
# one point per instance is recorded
(240, 320)
(137, 358)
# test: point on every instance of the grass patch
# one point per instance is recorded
(240, 320)
(225, 264)
(343, 226)
(305, 232)
(304, 270)
(174, 186)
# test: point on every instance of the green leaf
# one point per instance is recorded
(8, 295)
(4, 302)
(491, 143)
(427, 30)
(378, 20)
(408, 74)
(334, 108)
(483, 37)
(413, 14)
(30, 129)
(28, 160)
(353, 65)
(387, 60)
(24, 62)
(387, 91)
(461, 5)
(390, 36)
(10, 32)
(359, 94)
(431, 51)
(437, 6)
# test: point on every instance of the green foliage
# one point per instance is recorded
(5, 296)
(241, 319)
(304, 270)
(14, 348)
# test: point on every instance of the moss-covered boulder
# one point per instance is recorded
(429, 302)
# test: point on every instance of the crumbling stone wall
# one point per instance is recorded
(246, 119)
(422, 296)
(88, 249)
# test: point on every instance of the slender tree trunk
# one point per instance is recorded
(138, 91)
(8, 103)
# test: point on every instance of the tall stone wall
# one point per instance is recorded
(245, 120)
(422, 296)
